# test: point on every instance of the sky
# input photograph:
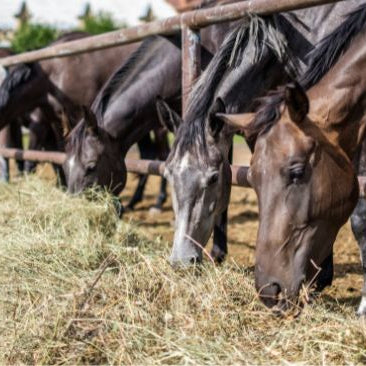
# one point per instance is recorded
(63, 13)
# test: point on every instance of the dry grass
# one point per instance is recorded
(79, 286)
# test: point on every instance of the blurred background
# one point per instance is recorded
(32, 24)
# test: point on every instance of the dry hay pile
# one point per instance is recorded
(79, 286)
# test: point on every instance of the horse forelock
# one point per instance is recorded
(268, 113)
(255, 34)
(76, 137)
(16, 77)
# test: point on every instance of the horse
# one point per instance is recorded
(125, 110)
(302, 164)
(249, 63)
(59, 87)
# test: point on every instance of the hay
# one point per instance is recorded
(79, 286)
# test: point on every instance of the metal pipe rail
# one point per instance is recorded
(151, 167)
(192, 19)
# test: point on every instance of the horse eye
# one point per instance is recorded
(212, 179)
(296, 173)
(90, 168)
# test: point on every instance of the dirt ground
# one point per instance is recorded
(243, 224)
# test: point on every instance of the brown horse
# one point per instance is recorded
(301, 168)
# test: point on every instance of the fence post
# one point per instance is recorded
(191, 61)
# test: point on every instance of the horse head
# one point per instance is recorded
(93, 157)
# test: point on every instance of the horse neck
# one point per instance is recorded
(126, 107)
(338, 101)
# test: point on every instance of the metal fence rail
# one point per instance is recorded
(151, 167)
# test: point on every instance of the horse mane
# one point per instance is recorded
(17, 76)
(100, 104)
(258, 32)
(322, 59)
(331, 48)
(268, 113)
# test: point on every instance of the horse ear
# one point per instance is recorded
(168, 118)
(297, 102)
(65, 123)
(215, 124)
(240, 121)
(90, 120)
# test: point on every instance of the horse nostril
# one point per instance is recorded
(184, 262)
(194, 260)
(269, 294)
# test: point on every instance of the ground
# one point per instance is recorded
(80, 286)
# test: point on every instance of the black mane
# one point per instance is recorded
(330, 49)
(16, 77)
(255, 32)
(267, 114)
(114, 83)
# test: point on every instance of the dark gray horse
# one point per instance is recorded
(249, 63)
(122, 113)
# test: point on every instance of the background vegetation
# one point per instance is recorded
(100, 23)
(32, 36)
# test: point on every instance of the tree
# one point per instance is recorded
(33, 36)
(100, 23)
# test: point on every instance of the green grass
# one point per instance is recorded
(80, 286)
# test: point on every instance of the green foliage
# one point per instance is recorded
(33, 36)
(100, 23)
